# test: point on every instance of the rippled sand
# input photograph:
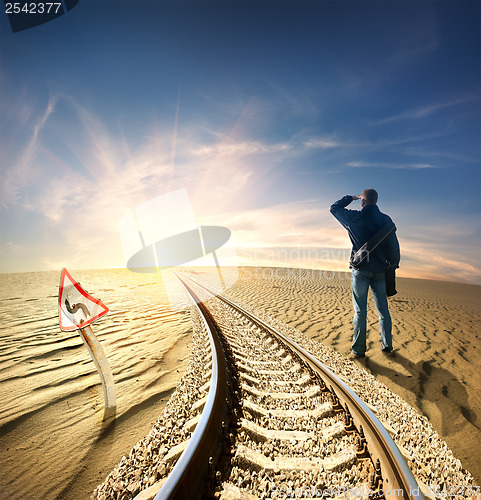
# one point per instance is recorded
(436, 366)
(53, 440)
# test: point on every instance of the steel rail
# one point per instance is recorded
(187, 478)
(398, 480)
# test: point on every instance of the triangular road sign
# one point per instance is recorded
(76, 308)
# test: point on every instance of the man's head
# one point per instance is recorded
(369, 197)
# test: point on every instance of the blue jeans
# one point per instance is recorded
(361, 281)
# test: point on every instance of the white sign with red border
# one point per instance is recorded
(76, 308)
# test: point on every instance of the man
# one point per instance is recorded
(361, 225)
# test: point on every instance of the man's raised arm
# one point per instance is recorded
(338, 209)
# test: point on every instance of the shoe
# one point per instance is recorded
(386, 349)
(388, 352)
(355, 355)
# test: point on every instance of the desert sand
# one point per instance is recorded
(54, 442)
(436, 363)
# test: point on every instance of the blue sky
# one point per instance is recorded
(265, 112)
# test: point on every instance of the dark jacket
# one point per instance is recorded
(361, 226)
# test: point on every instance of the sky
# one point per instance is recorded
(263, 113)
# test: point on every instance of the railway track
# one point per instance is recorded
(274, 422)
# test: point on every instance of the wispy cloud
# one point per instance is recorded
(17, 156)
(83, 188)
(75, 182)
(304, 233)
(432, 248)
(444, 155)
(422, 259)
(240, 148)
(323, 143)
(413, 49)
(82, 202)
(303, 223)
(404, 166)
(350, 145)
(424, 111)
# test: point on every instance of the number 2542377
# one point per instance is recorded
(32, 7)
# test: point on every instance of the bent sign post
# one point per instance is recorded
(77, 311)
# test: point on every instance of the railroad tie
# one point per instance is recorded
(205, 387)
(296, 368)
(150, 492)
(264, 434)
(232, 492)
(176, 451)
(237, 351)
(322, 411)
(242, 360)
(191, 424)
(199, 404)
(246, 456)
(234, 345)
(206, 375)
(310, 393)
(306, 379)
